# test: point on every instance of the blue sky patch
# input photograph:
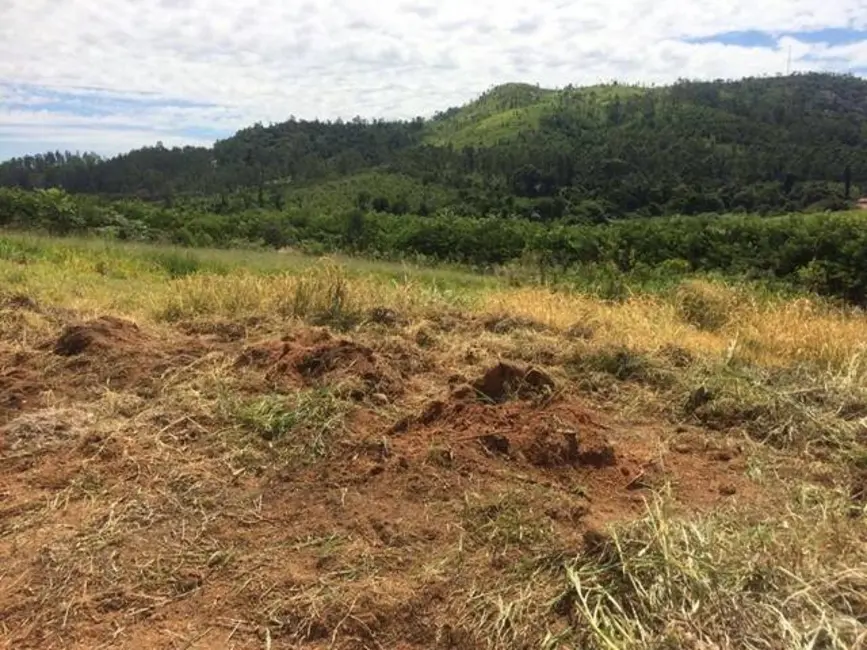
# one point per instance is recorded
(84, 102)
(747, 38)
(756, 38)
(120, 122)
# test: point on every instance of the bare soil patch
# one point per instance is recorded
(315, 358)
(164, 526)
(563, 441)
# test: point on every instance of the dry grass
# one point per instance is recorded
(217, 510)
(766, 332)
(710, 319)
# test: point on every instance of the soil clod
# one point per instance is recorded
(505, 380)
(495, 444)
(552, 450)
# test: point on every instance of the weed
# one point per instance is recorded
(303, 423)
(179, 264)
(800, 409)
(18, 250)
(175, 264)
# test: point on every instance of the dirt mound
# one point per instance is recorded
(84, 360)
(560, 441)
(105, 334)
(505, 381)
(89, 357)
(558, 448)
(331, 357)
(262, 355)
(563, 435)
(328, 362)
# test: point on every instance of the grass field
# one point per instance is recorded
(235, 449)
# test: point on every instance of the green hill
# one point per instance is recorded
(499, 114)
(759, 145)
(506, 112)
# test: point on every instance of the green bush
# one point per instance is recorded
(176, 264)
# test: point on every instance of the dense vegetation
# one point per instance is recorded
(587, 154)
(826, 253)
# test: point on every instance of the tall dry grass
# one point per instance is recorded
(708, 319)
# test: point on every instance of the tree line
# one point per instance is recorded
(825, 253)
(761, 145)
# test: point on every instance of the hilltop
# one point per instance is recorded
(592, 153)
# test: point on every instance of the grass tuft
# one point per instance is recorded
(716, 582)
(302, 424)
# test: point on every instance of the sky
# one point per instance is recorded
(111, 75)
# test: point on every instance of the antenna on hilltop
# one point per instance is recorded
(789, 62)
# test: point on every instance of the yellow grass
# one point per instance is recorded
(769, 332)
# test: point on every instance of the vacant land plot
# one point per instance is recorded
(232, 451)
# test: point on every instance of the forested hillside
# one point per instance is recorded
(580, 154)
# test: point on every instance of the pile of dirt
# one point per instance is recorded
(111, 352)
(561, 435)
(505, 381)
(320, 360)
(105, 334)
(262, 355)
(335, 357)
(556, 439)
(85, 356)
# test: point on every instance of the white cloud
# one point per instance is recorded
(249, 60)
